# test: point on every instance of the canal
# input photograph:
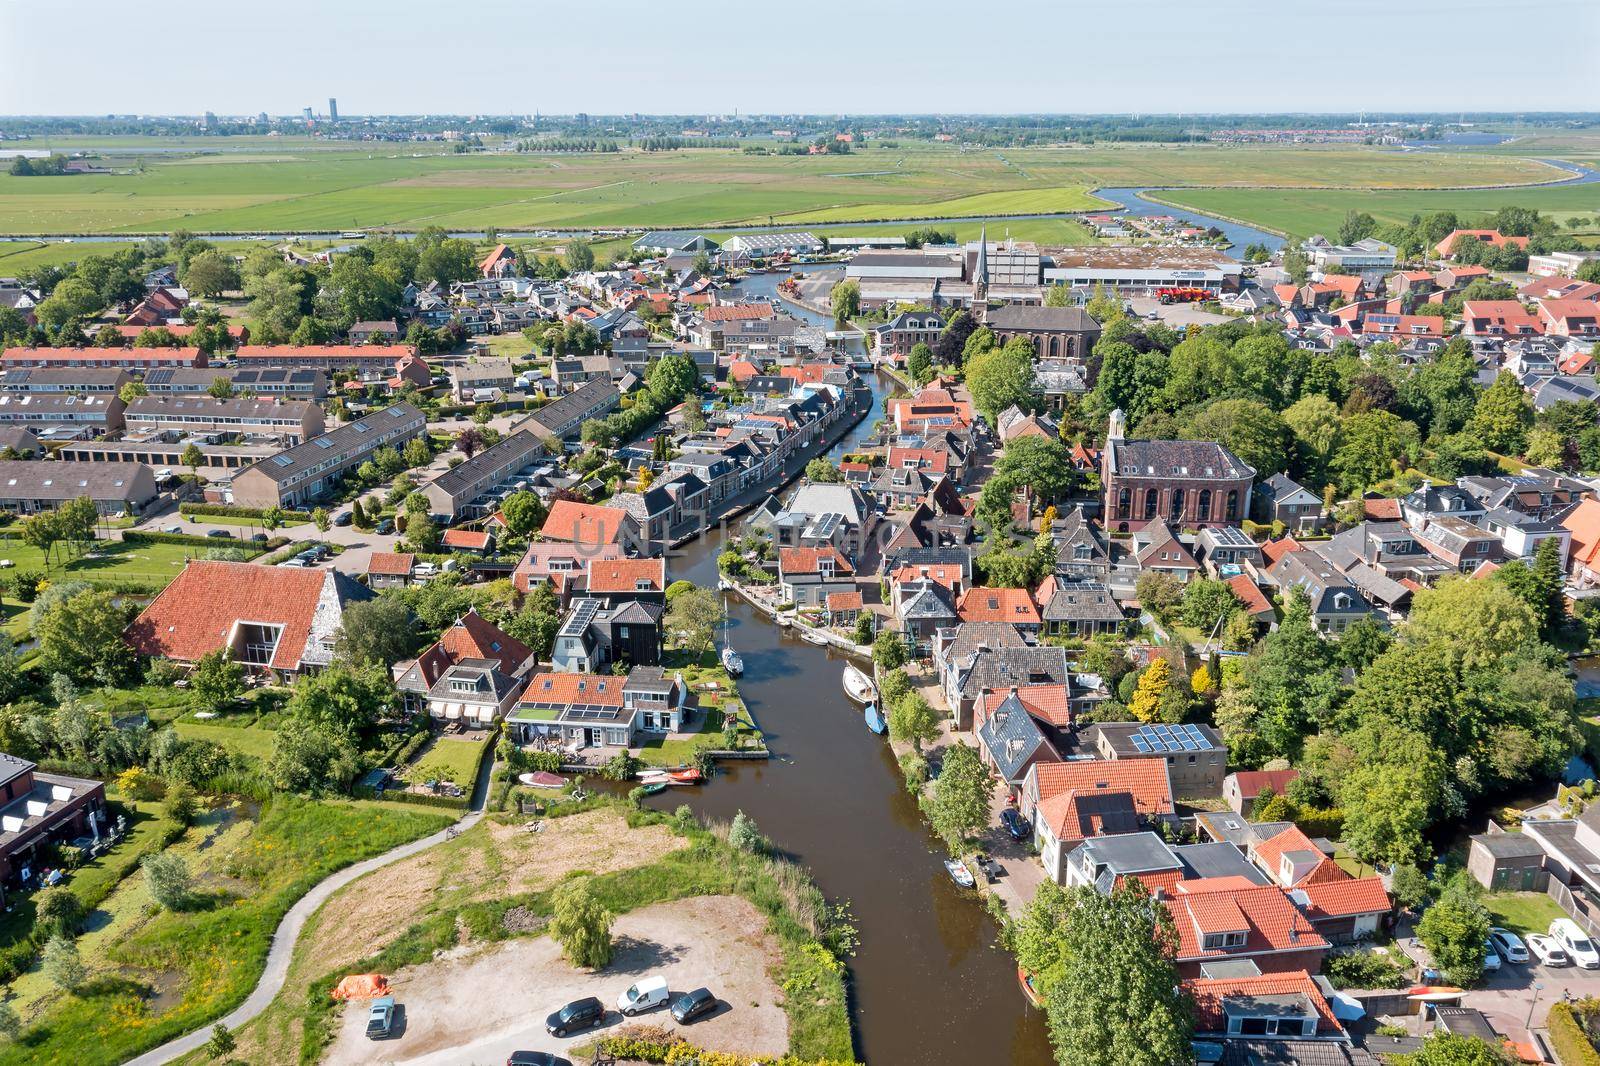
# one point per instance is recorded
(929, 984)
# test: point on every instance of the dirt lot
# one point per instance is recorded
(491, 861)
(481, 1005)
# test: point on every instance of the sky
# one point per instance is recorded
(91, 57)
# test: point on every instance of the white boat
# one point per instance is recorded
(731, 661)
(959, 873)
(858, 685)
(811, 636)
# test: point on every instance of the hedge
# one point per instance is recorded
(228, 510)
(1571, 1043)
(676, 1052)
(198, 540)
(421, 799)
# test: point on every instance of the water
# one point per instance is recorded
(928, 983)
(1132, 202)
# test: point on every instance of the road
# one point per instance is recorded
(293, 923)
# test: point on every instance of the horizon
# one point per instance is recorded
(848, 60)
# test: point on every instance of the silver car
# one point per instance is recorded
(1508, 945)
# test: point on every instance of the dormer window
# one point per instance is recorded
(1223, 941)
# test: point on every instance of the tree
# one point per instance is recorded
(58, 911)
(1002, 378)
(1042, 464)
(216, 682)
(81, 637)
(1152, 687)
(1207, 602)
(416, 452)
(524, 513)
(952, 342)
(1455, 930)
(1371, 445)
(579, 256)
(212, 273)
(180, 805)
(321, 519)
(1482, 620)
(919, 364)
(1118, 997)
(167, 876)
(1251, 430)
(913, 719)
(959, 805)
(845, 300)
(536, 624)
(1158, 592)
(308, 756)
(221, 1044)
(702, 265)
(62, 964)
(820, 469)
(889, 651)
(469, 440)
(375, 631)
(1452, 1049)
(580, 924)
(193, 458)
(344, 698)
(1503, 416)
(692, 618)
(744, 834)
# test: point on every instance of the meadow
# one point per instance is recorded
(1302, 212)
(276, 186)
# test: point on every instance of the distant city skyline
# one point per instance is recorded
(893, 56)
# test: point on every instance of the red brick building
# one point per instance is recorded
(1183, 482)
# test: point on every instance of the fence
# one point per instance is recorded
(1580, 911)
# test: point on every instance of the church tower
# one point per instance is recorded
(980, 274)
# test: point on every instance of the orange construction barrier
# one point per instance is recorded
(362, 986)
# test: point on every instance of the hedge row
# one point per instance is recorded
(674, 1052)
(1571, 1043)
(405, 749)
(421, 799)
(229, 511)
(198, 540)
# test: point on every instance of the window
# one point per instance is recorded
(1124, 502)
(1219, 941)
(1203, 505)
(1175, 505)
(1152, 499)
(1233, 505)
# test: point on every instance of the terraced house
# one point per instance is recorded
(308, 471)
(291, 420)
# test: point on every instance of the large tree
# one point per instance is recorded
(1503, 416)
(959, 805)
(1117, 996)
(1251, 430)
(1455, 930)
(1002, 378)
(81, 637)
(692, 619)
(375, 631)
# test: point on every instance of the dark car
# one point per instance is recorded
(220, 533)
(343, 518)
(579, 1014)
(386, 527)
(692, 1005)
(1016, 824)
(536, 1058)
(259, 538)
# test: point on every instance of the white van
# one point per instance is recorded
(1577, 945)
(647, 994)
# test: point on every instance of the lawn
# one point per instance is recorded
(253, 740)
(273, 186)
(199, 962)
(447, 758)
(110, 561)
(1523, 912)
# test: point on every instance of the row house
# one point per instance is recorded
(308, 471)
(376, 358)
(133, 360)
(292, 421)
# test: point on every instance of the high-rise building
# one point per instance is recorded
(333, 110)
(210, 121)
(261, 119)
(306, 111)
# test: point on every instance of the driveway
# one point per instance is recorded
(477, 1005)
(1507, 996)
(1176, 314)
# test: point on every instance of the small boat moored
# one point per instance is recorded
(858, 686)
(653, 787)
(1025, 979)
(542, 779)
(688, 776)
(959, 873)
(874, 720)
(811, 636)
(731, 661)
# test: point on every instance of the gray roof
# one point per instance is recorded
(341, 441)
(1082, 603)
(245, 407)
(40, 480)
(1012, 737)
(563, 409)
(1127, 853)
(1508, 845)
(927, 602)
(1041, 319)
(25, 378)
(1004, 667)
(1218, 859)
(524, 446)
(1193, 459)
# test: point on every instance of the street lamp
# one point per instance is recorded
(1528, 1024)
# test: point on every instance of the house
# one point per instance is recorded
(500, 262)
(482, 380)
(19, 441)
(592, 635)
(1498, 318)
(1579, 319)
(59, 415)
(1292, 859)
(1116, 856)
(1226, 550)
(1076, 608)
(1252, 599)
(893, 340)
(1055, 332)
(473, 672)
(1345, 910)
(616, 581)
(1282, 499)
(460, 491)
(1278, 1010)
(1219, 919)
(1242, 787)
(387, 570)
(589, 526)
(291, 421)
(583, 710)
(565, 415)
(1015, 422)
(1336, 603)
(133, 360)
(1457, 542)
(1051, 799)
(1011, 739)
(28, 486)
(1157, 548)
(819, 514)
(276, 620)
(1081, 554)
(308, 471)
(1014, 606)
(984, 659)
(360, 358)
(1189, 483)
(1195, 755)
(1446, 248)
(932, 410)
(1507, 862)
(40, 812)
(1583, 558)
(843, 608)
(807, 576)
(560, 564)
(269, 381)
(381, 331)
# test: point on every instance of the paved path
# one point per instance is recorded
(288, 931)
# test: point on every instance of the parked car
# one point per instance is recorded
(1547, 951)
(343, 518)
(172, 529)
(1508, 945)
(1016, 824)
(536, 1058)
(424, 570)
(385, 527)
(1491, 960)
(380, 1018)
(580, 1014)
(259, 538)
(220, 533)
(692, 1005)
(643, 995)
(1575, 943)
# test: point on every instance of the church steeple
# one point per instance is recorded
(980, 274)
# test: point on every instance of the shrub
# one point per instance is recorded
(1572, 1044)
(581, 925)
(1364, 969)
(744, 835)
(228, 511)
(63, 965)
(169, 879)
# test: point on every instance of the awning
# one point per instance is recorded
(452, 711)
(1346, 1008)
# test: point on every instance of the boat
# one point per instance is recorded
(653, 787)
(959, 873)
(353, 235)
(687, 776)
(874, 719)
(858, 686)
(811, 636)
(1435, 993)
(731, 662)
(542, 779)
(1025, 979)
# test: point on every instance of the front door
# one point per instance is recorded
(591, 737)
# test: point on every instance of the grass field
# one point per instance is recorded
(155, 974)
(108, 561)
(447, 758)
(1523, 912)
(284, 186)
(1302, 212)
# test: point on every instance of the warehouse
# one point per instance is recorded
(1142, 270)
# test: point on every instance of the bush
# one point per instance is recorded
(1572, 1043)
(420, 799)
(169, 879)
(744, 835)
(915, 770)
(581, 925)
(140, 536)
(224, 510)
(1364, 969)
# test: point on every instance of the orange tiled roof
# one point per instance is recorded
(844, 601)
(197, 612)
(1048, 703)
(565, 690)
(465, 538)
(625, 575)
(737, 312)
(1583, 522)
(807, 560)
(1144, 779)
(1269, 853)
(1211, 993)
(585, 523)
(1264, 913)
(392, 563)
(984, 604)
(1247, 593)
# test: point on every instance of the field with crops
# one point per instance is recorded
(245, 185)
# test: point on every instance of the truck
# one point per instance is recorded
(380, 1018)
(1182, 295)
